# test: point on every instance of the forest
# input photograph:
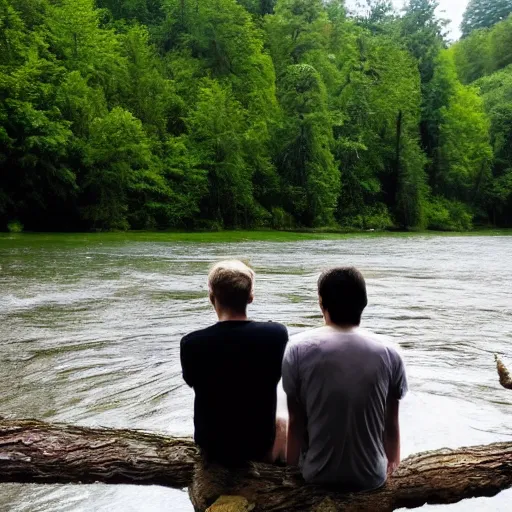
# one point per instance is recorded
(280, 114)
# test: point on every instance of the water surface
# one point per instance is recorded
(90, 328)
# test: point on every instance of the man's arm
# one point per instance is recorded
(296, 432)
(186, 366)
(392, 434)
(397, 390)
(296, 412)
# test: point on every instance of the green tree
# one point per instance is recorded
(497, 96)
(181, 166)
(296, 28)
(82, 45)
(462, 159)
(259, 7)
(473, 56)
(149, 12)
(484, 14)
(149, 95)
(378, 16)
(224, 113)
(34, 138)
(220, 40)
(500, 44)
(305, 161)
(423, 34)
(217, 127)
(484, 51)
(377, 142)
(122, 185)
(465, 152)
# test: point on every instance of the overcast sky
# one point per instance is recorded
(453, 10)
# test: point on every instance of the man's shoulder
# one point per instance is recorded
(383, 344)
(311, 335)
(305, 341)
(199, 334)
(268, 333)
(270, 327)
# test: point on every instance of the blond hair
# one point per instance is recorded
(231, 283)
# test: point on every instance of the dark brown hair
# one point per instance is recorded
(343, 294)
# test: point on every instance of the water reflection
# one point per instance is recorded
(90, 334)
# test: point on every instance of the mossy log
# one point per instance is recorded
(38, 452)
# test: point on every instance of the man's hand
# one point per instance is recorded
(392, 467)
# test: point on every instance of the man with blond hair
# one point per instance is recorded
(234, 367)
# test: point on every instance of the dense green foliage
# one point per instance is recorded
(484, 60)
(211, 114)
(484, 14)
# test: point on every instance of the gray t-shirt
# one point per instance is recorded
(342, 379)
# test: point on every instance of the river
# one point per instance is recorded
(90, 328)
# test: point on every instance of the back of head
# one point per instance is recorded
(343, 294)
(231, 284)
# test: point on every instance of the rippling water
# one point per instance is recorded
(90, 329)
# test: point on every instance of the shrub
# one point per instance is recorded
(371, 217)
(445, 215)
(15, 226)
(281, 219)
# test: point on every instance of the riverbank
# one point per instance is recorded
(232, 236)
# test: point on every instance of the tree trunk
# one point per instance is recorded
(37, 452)
(441, 476)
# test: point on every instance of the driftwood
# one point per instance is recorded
(504, 374)
(38, 452)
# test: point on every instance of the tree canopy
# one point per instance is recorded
(212, 114)
(484, 14)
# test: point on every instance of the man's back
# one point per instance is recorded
(343, 380)
(234, 368)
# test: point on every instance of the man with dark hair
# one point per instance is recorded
(234, 367)
(343, 388)
(342, 293)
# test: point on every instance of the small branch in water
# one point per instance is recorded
(505, 377)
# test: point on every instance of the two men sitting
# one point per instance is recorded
(343, 386)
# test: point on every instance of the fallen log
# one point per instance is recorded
(38, 452)
(437, 477)
(504, 374)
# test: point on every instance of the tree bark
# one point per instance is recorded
(37, 452)
(504, 374)
(441, 476)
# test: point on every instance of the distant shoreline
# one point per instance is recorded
(237, 235)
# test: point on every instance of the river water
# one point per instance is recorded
(90, 328)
